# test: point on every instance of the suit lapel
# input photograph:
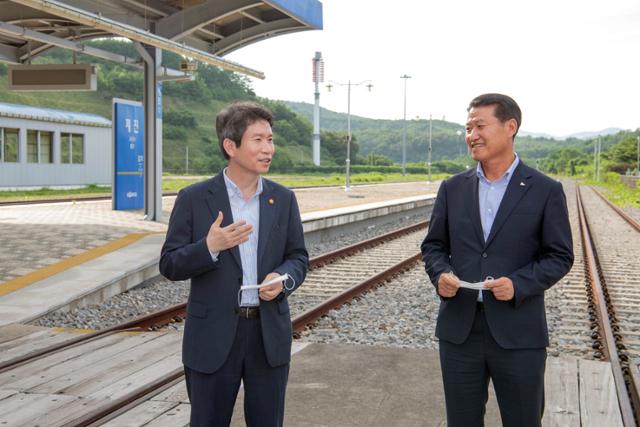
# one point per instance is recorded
(218, 200)
(518, 186)
(472, 203)
(268, 209)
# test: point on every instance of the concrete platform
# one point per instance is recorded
(82, 267)
(358, 385)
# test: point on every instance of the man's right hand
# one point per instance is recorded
(221, 238)
(448, 285)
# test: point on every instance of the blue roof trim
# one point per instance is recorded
(307, 11)
(51, 115)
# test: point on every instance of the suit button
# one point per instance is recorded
(484, 255)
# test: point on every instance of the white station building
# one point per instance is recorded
(42, 147)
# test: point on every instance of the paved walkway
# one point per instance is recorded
(36, 236)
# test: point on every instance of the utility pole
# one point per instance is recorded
(318, 77)
(347, 186)
(638, 156)
(595, 158)
(404, 127)
(429, 151)
(599, 152)
(369, 85)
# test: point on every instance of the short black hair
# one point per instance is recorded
(232, 121)
(506, 107)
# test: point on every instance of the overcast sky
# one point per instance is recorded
(571, 65)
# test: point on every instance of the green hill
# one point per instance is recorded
(385, 137)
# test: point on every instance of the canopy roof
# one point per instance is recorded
(201, 29)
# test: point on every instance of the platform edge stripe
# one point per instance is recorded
(53, 269)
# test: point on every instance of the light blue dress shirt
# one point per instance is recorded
(490, 194)
(248, 210)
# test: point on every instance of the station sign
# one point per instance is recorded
(128, 155)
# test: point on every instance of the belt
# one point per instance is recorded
(249, 312)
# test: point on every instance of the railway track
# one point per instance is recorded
(611, 244)
(334, 279)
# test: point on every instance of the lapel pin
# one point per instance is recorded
(271, 201)
(522, 184)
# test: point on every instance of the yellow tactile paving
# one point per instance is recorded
(50, 270)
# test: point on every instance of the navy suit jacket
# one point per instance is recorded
(212, 308)
(529, 242)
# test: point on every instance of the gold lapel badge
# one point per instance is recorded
(271, 201)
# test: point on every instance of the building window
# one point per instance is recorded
(9, 145)
(72, 148)
(32, 146)
(39, 146)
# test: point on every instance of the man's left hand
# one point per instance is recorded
(270, 292)
(502, 288)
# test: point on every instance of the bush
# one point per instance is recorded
(182, 118)
(281, 162)
(174, 133)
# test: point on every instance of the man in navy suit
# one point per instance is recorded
(231, 230)
(506, 225)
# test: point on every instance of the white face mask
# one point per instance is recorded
(477, 285)
(285, 278)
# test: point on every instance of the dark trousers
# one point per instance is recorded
(517, 375)
(213, 396)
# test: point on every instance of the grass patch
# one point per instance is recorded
(339, 179)
(50, 193)
(616, 191)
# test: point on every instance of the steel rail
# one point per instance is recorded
(632, 222)
(330, 257)
(305, 319)
(146, 322)
(119, 406)
(606, 335)
(633, 374)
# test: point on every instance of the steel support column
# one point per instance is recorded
(152, 132)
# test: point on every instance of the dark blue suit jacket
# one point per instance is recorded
(213, 299)
(529, 242)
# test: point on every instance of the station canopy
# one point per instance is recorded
(204, 30)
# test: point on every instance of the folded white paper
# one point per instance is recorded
(468, 285)
(262, 285)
